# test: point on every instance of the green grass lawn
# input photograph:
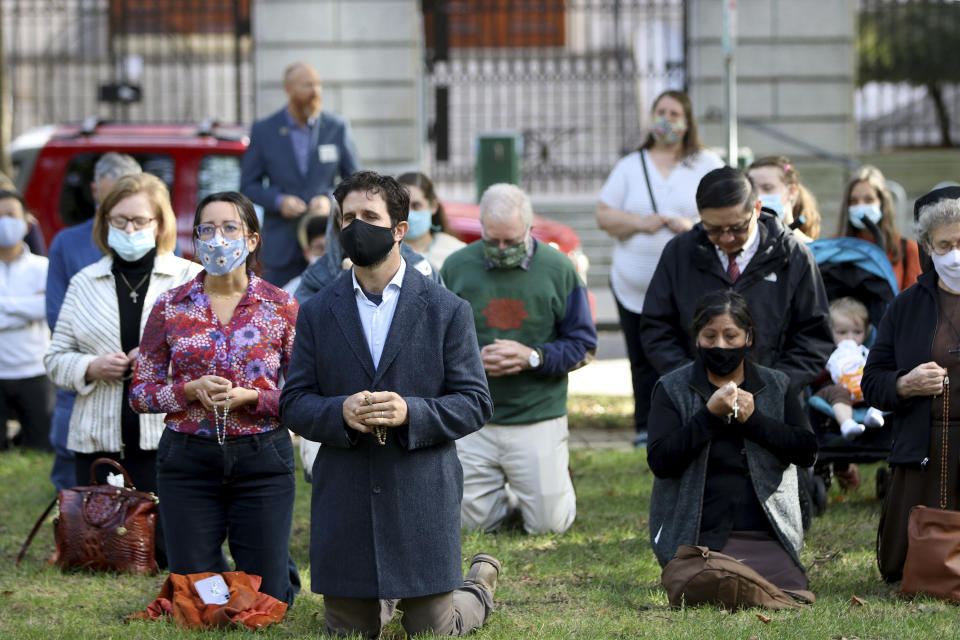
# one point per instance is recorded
(599, 580)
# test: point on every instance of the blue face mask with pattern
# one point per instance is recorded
(419, 223)
(219, 257)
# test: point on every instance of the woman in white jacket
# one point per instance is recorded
(97, 335)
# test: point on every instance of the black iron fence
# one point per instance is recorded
(128, 60)
(574, 77)
(908, 65)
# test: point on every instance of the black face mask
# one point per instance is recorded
(366, 244)
(720, 361)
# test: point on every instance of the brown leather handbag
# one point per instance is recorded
(697, 575)
(102, 527)
(933, 537)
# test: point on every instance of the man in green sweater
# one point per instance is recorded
(534, 326)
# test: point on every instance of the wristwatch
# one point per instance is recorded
(535, 361)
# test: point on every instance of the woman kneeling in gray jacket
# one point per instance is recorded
(726, 437)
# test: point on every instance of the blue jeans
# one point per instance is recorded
(243, 492)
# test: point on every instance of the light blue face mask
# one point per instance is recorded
(419, 223)
(773, 202)
(859, 212)
(131, 246)
(12, 231)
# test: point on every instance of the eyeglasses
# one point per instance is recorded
(121, 222)
(944, 247)
(229, 230)
(501, 243)
(738, 230)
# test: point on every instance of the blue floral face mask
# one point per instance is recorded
(220, 257)
(419, 223)
(668, 132)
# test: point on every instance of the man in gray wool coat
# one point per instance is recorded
(386, 374)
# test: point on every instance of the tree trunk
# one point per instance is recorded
(943, 118)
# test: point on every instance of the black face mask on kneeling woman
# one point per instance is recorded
(366, 244)
(722, 361)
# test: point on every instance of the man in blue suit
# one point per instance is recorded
(386, 374)
(294, 157)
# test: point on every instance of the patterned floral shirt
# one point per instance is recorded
(252, 351)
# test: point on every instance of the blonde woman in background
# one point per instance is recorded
(778, 184)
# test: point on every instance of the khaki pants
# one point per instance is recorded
(534, 460)
(454, 613)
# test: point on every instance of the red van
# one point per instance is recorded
(53, 168)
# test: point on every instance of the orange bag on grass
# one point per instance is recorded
(179, 599)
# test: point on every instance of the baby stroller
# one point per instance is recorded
(856, 268)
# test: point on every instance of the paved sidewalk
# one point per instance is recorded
(618, 439)
(602, 378)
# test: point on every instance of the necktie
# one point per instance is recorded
(733, 269)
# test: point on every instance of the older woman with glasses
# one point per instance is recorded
(736, 246)
(212, 356)
(97, 333)
(914, 371)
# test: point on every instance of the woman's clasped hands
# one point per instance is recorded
(730, 401)
(214, 392)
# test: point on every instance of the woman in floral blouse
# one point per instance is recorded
(224, 464)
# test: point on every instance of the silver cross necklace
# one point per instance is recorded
(133, 290)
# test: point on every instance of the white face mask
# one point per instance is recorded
(948, 268)
(12, 231)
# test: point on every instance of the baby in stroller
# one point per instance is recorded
(839, 385)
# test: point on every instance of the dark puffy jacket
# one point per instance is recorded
(781, 283)
(904, 340)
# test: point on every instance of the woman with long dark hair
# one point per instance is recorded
(866, 197)
(429, 233)
(648, 198)
(212, 356)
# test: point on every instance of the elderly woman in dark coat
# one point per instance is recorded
(726, 436)
(908, 372)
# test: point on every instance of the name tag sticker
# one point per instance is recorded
(213, 590)
(328, 153)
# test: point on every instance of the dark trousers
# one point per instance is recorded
(141, 466)
(243, 492)
(62, 474)
(29, 400)
(641, 371)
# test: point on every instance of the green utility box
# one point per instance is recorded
(498, 159)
